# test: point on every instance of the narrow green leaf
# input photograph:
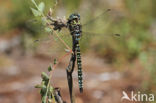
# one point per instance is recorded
(50, 68)
(44, 76)
(38, 86)
(35, 12)
(33, 1)
(41, 7)
(55, 61)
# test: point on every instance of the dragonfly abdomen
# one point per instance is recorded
(80, 78)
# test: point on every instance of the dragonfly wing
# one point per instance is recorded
(101, 24)
(91, 34)
(34, 26)
(94, 19)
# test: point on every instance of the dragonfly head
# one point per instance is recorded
(74, 16)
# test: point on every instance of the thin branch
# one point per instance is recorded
(70, 70)
(60, 59)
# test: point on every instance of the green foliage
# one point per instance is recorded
(50, 68)
(47, 90)
(35, 12)
(44, 76)
(39, 8)
(19, 15)
(55, 61)
(39, 12)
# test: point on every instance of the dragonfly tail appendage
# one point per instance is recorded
(80, 79)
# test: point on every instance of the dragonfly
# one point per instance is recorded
(73, 24)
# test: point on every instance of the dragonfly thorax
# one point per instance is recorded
(74, 25)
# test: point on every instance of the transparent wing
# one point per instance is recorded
(90, 34)
(97, 17)
(34, 26)
(99, 31)
(50, 45)
(100, 22)
(97, 27)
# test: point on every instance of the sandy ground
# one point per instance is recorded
(102, 83)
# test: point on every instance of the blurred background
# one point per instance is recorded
(110, 64)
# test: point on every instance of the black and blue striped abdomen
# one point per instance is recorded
(80, 78)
